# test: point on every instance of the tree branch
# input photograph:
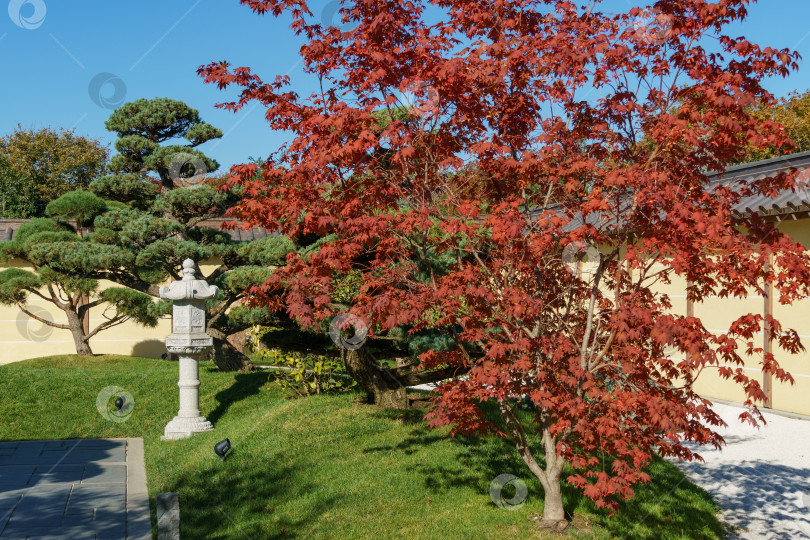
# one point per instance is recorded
(43, 321)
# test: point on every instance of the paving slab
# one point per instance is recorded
(761, 478)
(74, 489)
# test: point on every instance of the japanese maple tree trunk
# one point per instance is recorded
(382, 387)
(553, 510)
(79, 336)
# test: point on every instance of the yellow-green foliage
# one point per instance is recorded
(302, 374)
(347, 286)
(51, 162)
(793, 113)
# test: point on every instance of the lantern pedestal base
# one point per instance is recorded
(182, 428)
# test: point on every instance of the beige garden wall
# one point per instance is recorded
(794, 398)
(22, 337)
(717, 314)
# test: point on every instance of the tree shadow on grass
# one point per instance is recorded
(667, 506)
(481, 459)
(244, 386)
(478, 459)
(404, 416)
(227, 500)
(409, 445)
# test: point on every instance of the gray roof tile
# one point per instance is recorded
(786, 202)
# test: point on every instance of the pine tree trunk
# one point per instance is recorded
(383, 389)
(229, 358)
(79, 336)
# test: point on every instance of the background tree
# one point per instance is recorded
(606, 366)
(38, 166)
(18, 198)
(64, 274)
(792, 113)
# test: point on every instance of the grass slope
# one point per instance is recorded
(322, 467)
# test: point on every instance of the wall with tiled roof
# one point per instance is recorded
(790, 203)
(24, 338)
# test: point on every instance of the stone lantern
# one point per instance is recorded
(189, 341)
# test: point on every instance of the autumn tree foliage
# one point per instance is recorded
(580, 127)
(793, 114)
(40, 165)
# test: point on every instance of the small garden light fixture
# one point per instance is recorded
(222, 447)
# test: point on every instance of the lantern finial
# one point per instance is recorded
(188, 270)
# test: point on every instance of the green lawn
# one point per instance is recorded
(321, 467)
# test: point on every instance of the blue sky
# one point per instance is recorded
(80, 58)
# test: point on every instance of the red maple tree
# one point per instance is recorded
(534, 128)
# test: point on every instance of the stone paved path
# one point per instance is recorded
(73, 489)
(761, 478)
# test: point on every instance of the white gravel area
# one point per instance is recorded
(761, 478)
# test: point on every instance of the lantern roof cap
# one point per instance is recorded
(189, 288)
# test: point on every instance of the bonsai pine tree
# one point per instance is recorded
(584, 127)
(163, 193)
(65, 273)
(145, 126)
(158, 245)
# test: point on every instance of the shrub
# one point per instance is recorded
(306, 374)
